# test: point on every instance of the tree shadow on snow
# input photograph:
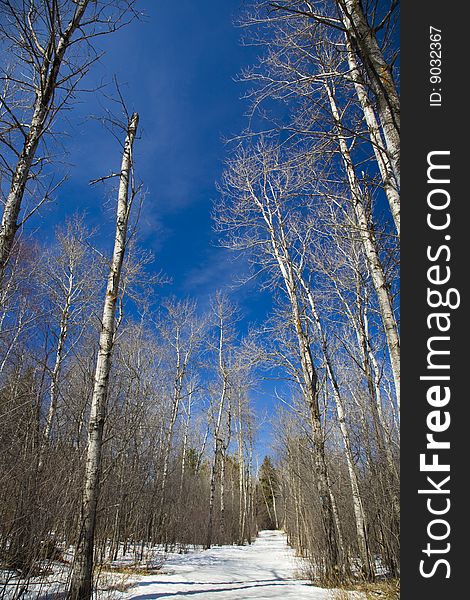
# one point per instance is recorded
(203, 592)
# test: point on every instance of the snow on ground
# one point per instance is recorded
(263, 570)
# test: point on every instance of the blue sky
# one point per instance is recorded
(177, 68)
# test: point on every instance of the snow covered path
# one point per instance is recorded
(263, 570)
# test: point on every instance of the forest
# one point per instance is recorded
(129, 415)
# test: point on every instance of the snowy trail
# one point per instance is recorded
(263, 570)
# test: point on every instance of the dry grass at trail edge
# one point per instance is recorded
(380, 590)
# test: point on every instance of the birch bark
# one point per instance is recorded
(358, 505)
(280, 250)
(363, 37)
(391, 186)
(81, 582)
(218, 442)
(370, 249)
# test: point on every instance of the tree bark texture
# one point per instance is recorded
(82, 574)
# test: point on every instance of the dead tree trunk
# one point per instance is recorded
(81, 583)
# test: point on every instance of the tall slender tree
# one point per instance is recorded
(81, 583)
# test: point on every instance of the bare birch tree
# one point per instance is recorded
(362, 37)
(360, 32)
(368, 239)
(303, 62)
(223, 316)
(254, 218)
(68, 281)
(299, 34)
(183, 332)
(81, 584)
(51, 43)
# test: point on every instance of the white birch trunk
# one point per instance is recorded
(81, 582)
(186, 435)
(203, 449)
(390, 184)
(249, 488)
(241, 473)
(358, 506)
(371, 367)
(54, 386)
(222, 493)
(363, 37)
(375, 374)
(342, 548)
(370, 251)
(177, 387)
(242, 495)
(218, 443)
(276, 520)
(280, 252)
